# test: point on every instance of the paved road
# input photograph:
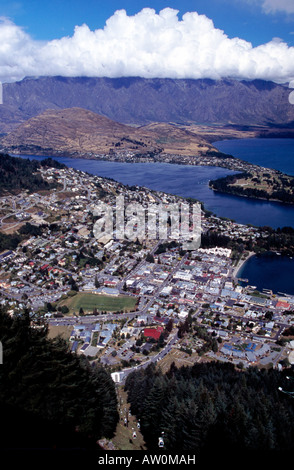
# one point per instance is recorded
(152, 359)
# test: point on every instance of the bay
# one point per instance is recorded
(269, 271)
(270, 153)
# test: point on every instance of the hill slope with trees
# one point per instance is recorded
(17, 174)
(213, 407)
(271, 185)
(50, 397)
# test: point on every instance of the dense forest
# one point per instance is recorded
(17, 174)
(213, 407)
(9, 242)
(50, 397)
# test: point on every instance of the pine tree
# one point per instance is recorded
(97, 283)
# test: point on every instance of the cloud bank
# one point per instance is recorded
(148, 45)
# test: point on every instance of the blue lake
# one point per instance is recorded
(271, 153)
(269, 271)
(191, 181)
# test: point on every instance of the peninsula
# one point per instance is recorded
(258, 183)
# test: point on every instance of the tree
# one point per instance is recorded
(49, 307)
(214, 346)
(152, 416)
(161, 340)
(64, 309)
(81, 311)
(150, 258)
(73, 285)
(97, 283)
(268, 315)
(169, 325)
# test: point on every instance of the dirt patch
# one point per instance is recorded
(61, 330)
(180, 358)
(11, 228)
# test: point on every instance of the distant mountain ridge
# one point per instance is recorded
(140, 101)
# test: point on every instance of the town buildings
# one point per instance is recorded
(198, 285)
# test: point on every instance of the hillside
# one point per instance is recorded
(55, 399)
(18, 174)
(271, 185)
(213, 409)
(142, 101)
(79, 132)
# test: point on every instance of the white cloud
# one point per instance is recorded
(272, 6)
(147, 45)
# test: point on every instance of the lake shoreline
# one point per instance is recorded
(189, 181)
(267, 199)
(241, 263)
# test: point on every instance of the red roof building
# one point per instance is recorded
(153, 332)
(282, 304)
(45, 266)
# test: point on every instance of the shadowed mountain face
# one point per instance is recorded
(141, 101)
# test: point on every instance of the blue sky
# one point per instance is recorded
(247, 19)
(245, 39)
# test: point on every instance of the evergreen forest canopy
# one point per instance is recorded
(213, 407)
(47, 393)
(17, 174)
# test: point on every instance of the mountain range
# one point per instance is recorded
(84, 117)
(140, 101)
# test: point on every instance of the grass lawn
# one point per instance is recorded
(103, 303)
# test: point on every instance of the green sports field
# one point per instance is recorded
(101, 302)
